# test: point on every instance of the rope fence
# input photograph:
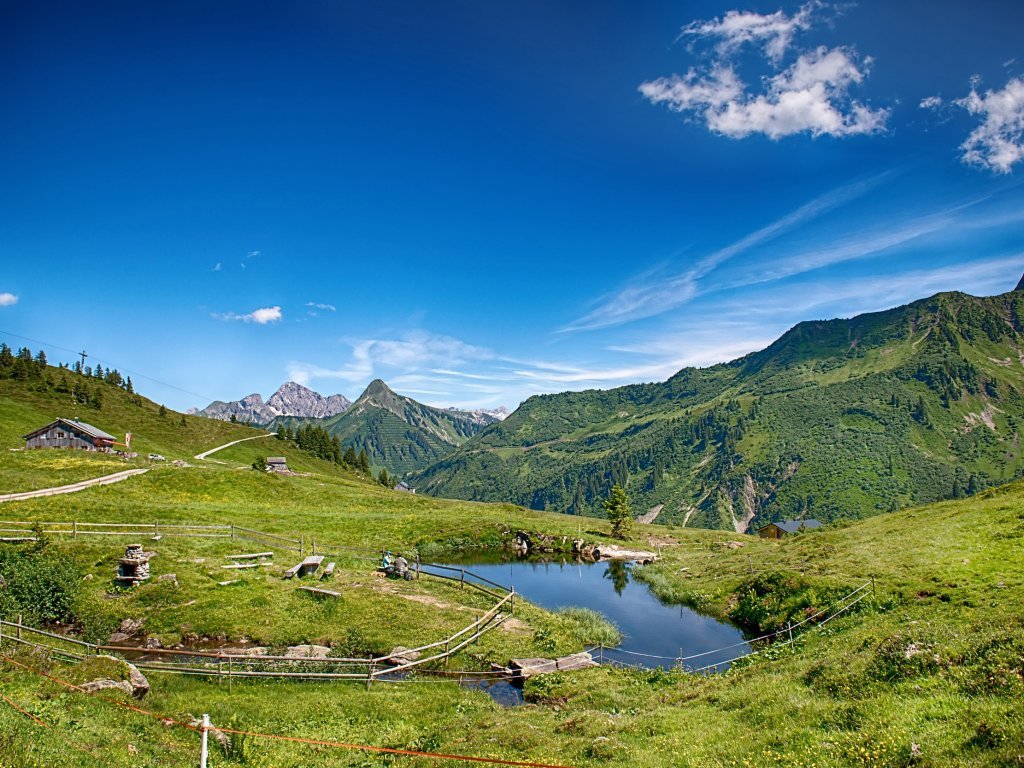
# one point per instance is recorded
(205, 727)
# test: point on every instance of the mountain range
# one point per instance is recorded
(290, 399)
(837, 419)
(397, 432)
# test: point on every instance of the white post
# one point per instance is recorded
(204, 751)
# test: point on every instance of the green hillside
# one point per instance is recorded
(396, 432)
(837, 419)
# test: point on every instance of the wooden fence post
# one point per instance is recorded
(789, 626)
(75, 528)
(19, 626)
(302, 543)
(232, 531)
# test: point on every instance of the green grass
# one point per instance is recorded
(935, 659)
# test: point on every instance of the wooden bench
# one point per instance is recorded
(328, 571)
(250, 556)
(306, 567)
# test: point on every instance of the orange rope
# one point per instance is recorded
(390, 751)
(294, 739)
(24, 712)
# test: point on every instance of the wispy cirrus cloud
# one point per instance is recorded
(654, 292)
(411, 352)
(324, 307)
(261, 316)
(811, 95)
(8, 299)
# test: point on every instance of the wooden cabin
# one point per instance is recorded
(404, 487)
(277, 464)
(65, 433)
(782, 528)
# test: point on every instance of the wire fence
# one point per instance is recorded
(789, 635)
(226, 665)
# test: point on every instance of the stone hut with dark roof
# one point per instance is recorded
(781, 528)
(67, 433)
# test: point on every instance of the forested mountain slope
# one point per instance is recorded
(397, 432)
(836, 419)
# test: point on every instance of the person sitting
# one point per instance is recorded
(402, 568)
(386, 563)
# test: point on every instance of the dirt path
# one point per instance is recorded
(228, 445)
(105, 480)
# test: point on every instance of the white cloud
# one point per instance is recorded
(261, 316)
(324, 307)
(252, 254)
(931, 102)
(811, 95)
(216, 267)
(413, 351)
(8, 299)
(998, 143)
(774, 31)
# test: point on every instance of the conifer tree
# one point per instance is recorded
(617, 508)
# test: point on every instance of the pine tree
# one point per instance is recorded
(363, 462)
(617, 508)
(384, 479)
(163, 411)
(349, 459)
(128, 387)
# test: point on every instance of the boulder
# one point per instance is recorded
(136, 685)
(168, 577)
(402, 655)
(307, 652)
(613, 552)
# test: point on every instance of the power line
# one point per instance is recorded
(83, 355)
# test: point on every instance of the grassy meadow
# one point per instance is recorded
(928, 672)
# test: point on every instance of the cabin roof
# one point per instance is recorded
(74, 425)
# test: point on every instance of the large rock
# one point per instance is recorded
(308, 652)
(613, 552)
(402, 655)
(136, 685)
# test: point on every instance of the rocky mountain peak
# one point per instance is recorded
(290, 399)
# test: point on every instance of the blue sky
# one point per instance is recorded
(482, 201)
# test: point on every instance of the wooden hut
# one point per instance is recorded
(781, 528)
(65, 433)
(277, 464)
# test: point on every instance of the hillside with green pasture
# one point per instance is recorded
(838, 419)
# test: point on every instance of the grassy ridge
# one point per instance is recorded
(836, 420)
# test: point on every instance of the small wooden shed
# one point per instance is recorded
(67, 433)
(277, 464)
(404, 487)
(781, 528)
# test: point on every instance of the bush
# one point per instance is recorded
(37, 584)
